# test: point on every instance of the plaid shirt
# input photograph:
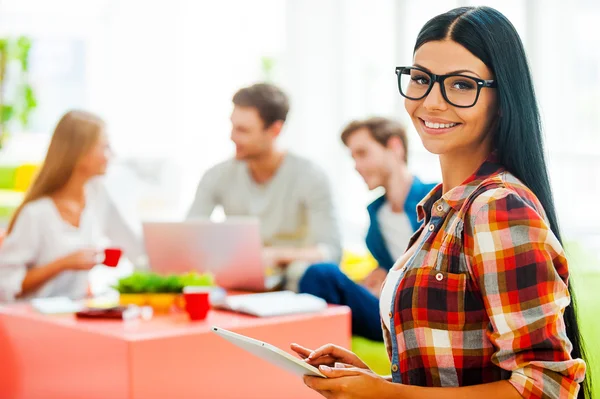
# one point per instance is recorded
(482, 298)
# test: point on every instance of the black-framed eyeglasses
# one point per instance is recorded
(458, 90)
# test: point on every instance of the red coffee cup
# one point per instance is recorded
(112, 256)
(197, 301)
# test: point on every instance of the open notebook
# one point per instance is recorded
(272, 303)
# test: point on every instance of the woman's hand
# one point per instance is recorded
(37, 276)
(84, 259)
(349, 383)
(329, 355)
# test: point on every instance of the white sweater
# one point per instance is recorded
(295, 207)
(40, 236)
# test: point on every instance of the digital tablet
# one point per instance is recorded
(270, 353)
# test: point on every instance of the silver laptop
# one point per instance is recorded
(230, 250)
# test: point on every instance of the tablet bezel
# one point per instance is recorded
(239, 340)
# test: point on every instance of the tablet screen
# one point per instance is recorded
(269, 353)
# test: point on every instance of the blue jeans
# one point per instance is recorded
(327, 281)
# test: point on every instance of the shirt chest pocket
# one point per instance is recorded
(432, 298)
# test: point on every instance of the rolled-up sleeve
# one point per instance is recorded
(522, 273)
(18, 252)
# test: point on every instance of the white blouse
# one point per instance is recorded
(40, 236)
(388, 294)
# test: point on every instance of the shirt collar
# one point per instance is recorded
(456, 197)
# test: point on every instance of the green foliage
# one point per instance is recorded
(144, 282)
(16, 110)
(6, 113)
(267, 67)
(22, 49)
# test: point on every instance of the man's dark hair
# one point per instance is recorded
(381, 129)
(270, 101)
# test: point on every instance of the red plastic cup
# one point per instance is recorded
(197, 302)
(112, 256)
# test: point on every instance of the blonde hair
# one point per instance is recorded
(74, 135)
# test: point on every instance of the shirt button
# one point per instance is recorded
(440, 208)
(402, 269)
(431, 227)
(394, 367)
(390, 314)
(439, 277)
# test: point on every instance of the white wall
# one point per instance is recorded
(163, 73)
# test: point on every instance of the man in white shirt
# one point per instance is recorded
(290, 195)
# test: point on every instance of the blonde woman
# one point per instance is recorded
(56, 235)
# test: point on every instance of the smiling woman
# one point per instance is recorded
(465, 111)
(481, 302)
(56, 234)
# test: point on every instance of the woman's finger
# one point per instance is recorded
(339, 365)
(328, 349)
(301, 350)
(323, 360)
(340, 372)
(335, 352)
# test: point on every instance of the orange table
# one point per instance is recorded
(52, 357)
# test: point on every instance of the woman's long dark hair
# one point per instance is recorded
(490, 36)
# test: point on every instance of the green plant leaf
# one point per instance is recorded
(29, 103)
(23, 100)
(3, 59)
(196, 279)
(30, 97)
(267, 66)
(7, 114)
(23, 47)
(144, 282)
(4, 44)
(133, 284)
